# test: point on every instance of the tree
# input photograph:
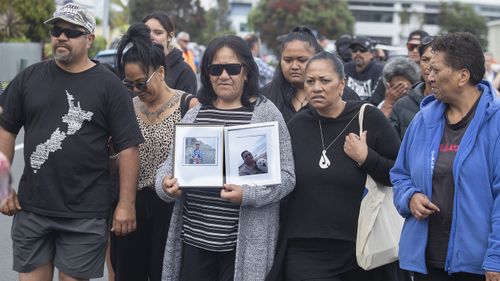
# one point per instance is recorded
(462, 17)
(272, 18)
(217, 22)
(26, 17)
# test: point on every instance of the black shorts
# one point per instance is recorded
(75, 246)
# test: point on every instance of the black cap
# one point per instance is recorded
(362, 41)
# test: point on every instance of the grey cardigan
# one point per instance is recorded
(259, 210)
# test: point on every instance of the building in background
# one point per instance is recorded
(387, 21)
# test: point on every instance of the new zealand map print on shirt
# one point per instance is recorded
(74, 118)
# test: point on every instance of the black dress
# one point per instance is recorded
(321, 214)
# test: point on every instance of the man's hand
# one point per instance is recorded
(492, 276)
(124, 221)
(232, 193)
(11, 204)
(421, 207)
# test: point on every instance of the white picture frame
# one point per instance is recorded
(198, 155)
(262, 141)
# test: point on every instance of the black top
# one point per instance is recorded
(179, 75)
(368, 84)
(443, 190)
(325, 202)
(286, 108)
(68, 119)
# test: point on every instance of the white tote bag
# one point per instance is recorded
(379, 223)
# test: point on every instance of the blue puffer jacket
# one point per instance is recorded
(474, 244)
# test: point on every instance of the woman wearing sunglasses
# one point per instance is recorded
(286, 90)
(139, 256)
(179, 74)
(227, 233)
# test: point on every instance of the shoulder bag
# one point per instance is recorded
(379, 223)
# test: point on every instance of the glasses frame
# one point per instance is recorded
(359, 49)
(71, 33)
(412, 46)
(213, 69)
(141, 86)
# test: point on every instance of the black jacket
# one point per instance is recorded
(179, 74)
(405, 109)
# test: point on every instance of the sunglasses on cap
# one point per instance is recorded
(359, 49)
(231, 69)
(141, 86)
(56, 31)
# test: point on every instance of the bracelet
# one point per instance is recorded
(116, 156)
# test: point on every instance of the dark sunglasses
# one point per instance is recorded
(69, 32)
(141, 86)
(231, 69)
(411, 46)
(359, 49)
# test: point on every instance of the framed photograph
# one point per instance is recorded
(198, 155)
(252, 154)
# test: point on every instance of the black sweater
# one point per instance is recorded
(179, 74)
(325, 202)
(285, 105)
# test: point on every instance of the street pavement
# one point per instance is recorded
(6, 272)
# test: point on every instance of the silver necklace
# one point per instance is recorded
(324, 162)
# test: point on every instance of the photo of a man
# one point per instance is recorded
(197, 154)
(252, 166)
(200, 151)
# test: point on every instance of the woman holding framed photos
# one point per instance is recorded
(226, 233)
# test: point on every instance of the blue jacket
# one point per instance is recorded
(474, 244)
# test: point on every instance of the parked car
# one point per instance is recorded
(107, 56)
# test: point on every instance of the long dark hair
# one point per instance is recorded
(206, 95)
(279, 86)
(136, 47)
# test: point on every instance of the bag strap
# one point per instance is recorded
(361, 117)
(185, 100)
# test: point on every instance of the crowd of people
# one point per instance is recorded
(98, 183)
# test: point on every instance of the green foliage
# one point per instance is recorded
(98, 45)
(217, 23)
(34, 13)
(462, 17)
(272, 18)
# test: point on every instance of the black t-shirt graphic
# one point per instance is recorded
(68, 119)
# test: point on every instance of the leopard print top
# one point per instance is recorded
(154, 150)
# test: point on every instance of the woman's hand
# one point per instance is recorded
(232, 193)
(356, 148)
(421, 207)
(171, 187)
(492, 276)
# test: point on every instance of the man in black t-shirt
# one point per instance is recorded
(364, 74)
(69, 107)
